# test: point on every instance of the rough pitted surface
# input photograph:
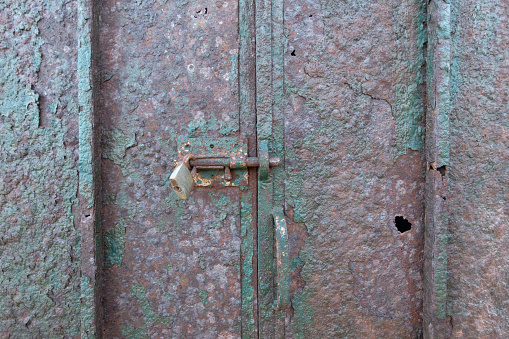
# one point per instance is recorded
(478, 196)
(172, 267)
(354, 137)
(39, 244)
(354, 119)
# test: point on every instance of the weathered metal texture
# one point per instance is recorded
(264, 121)
(270, 134)
(438, 81)
(355, 74)
(89, 185)
(173, 268)
(249, 200)
(478, 175)
(39, 235)
(353, 101)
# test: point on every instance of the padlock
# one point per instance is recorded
(182, 181)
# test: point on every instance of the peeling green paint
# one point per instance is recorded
(248, 293)
(39, 244)
(204, 297)
(116, 143)
(87, 308)
(223, 205)
(304, 314)
(133, 332)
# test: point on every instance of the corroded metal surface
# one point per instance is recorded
(39, 235)
(478, 175)
(173, 268)
(340, 91)
(355, 118)
(435, 322)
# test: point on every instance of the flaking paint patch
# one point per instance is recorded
(246, 234)
(87, 299)
(39, 244)
(223, 204)
(115, 144)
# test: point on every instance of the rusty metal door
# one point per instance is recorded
(354, 135)
(329, 244)
(175, 268)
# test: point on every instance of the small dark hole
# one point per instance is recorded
(402, 224)
(311, 16)
(293, 53)
(205, 10)
(211, 146)
(442, 170)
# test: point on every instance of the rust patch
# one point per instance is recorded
(388, 283)
(297, 234)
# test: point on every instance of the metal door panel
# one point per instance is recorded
(172, 267)
(353, 143)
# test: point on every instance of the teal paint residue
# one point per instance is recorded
(204, 297)
(197, 127)
(39, 243)
(223, 205)
(151, 317)
(181, 213)
(295, 263)
(304, 314)
(441, 277)
(114, 245)
(248, 294)
(167, 295)
(230, 125)
(85, 101)
(133, 332)
(87, 308)
(439, 85)
(116, 142)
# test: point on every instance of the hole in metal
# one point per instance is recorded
(402, 224)
(442, 170)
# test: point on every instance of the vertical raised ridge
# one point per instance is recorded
(278, 130)
(247, 123)
(435, 324)
(266, 272)
(88, 168)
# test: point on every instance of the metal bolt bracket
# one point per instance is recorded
(217, 162)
